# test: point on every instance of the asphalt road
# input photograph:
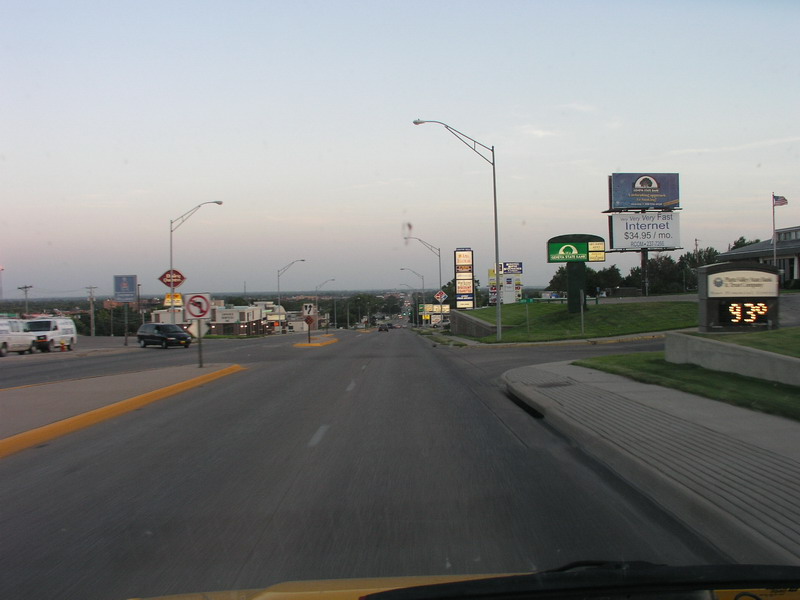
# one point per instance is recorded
(378, 455)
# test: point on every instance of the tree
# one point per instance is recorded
(558, 283)
(689, 262)
(741, 242)
(610, 277)
(664, 276)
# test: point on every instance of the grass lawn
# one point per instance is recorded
(544, 322)
(748, 392)
(782, 341)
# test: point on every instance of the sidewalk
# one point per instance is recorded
(731, 474)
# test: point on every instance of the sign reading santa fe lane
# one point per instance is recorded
(172, 278)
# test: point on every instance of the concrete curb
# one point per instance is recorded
(727, 531)
(46, 433)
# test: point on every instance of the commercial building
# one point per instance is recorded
(785, 254)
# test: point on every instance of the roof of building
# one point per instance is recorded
(763, 249)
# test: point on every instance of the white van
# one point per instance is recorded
(52, 332)
(15, 337)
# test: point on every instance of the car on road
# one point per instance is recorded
(52, 333)
(163, 334)
(15, 337)
(383, 327)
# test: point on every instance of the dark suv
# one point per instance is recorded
(163, 334)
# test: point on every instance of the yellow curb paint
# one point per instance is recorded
(316, 344)
(40, 435)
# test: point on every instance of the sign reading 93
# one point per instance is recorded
(743, 313)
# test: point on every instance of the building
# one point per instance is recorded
(786, 251)
(261, 318)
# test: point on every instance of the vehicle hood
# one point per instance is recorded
(591, 580)
(327, 589)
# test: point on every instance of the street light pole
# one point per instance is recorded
(173, 225)
(281, 272)
(438, 253)
(419, 321)
(480, 150)
(317, 292)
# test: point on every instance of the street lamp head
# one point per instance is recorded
(419, 121)
(217, 202)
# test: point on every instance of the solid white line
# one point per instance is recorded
(317, 437)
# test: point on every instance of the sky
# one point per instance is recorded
(118, 118)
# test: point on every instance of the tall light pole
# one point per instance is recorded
(173, 225)
(480, 150)
(317, 291)
(419, 321)
(281, 272)
(438, 253)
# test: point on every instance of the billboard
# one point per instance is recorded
(637, 230)
(125, 288)
(636, 191)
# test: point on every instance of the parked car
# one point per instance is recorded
(162, 334)
(15, 337)
(53, 332)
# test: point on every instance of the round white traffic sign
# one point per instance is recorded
(198, 306)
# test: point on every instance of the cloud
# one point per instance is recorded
(747, 146)
(578, 107)
(537, 132)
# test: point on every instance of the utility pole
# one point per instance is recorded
(91, 289)
(25, 289)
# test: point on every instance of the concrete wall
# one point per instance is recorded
(462, 323)
(731, 358)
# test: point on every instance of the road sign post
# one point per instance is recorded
(309, 322)
(198, 306)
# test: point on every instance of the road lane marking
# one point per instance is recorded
(46, 433)
(352, 386)
(317, 437)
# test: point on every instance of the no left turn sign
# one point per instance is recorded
(197, 306)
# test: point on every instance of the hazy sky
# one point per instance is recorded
(116, 117)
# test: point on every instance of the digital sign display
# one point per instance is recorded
(743, 313)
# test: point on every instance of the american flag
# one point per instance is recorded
(779, 200)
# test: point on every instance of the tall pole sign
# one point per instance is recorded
(576, 249)
(465, 278)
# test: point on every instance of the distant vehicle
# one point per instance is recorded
(383, 327)
(162, 334)
(53, 332)
(15, 337)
